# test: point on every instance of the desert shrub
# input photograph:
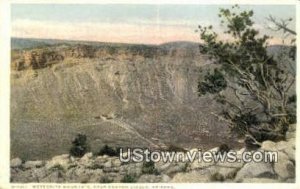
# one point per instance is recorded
(79, 146)
(108, 150)
(129, 178)
(223, 148)
(149, 168)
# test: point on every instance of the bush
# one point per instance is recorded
(129, 179)
(149, 168)
(107, 150)
(223, 148)
(80, 146)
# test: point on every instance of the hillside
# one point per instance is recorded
(135, 95)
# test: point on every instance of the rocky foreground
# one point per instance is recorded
(105, 169)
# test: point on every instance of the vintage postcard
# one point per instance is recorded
(148, 94)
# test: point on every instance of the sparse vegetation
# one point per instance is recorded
(258, 84)
(223, 148)
(129, 178)
(108, 150)
(149, 168)
(80, 146)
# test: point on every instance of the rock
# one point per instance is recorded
(86, 156)
(190, 177)
(259, 180)
(33, 164)
(227, 173)
(200, 165)
(284, 168)
(269, 146)
(55, 177)
(282, 145)
(62, 160)
(116, 163)
(292, 128)
(132, 169)
(100, 160)
(176, 167)
(165, 178)
(94, 178)
(290, 135)
(225, 164)
(162, 166)
(87, 160)
(252, 169)
(290, 153)
(108, 164)
(153, 178)
(40, 173)
(292, 143)
(14, 163)
(24, 177)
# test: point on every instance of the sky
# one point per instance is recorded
(121, 23)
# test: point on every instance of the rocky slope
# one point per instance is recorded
(105, 169)
(122, 95)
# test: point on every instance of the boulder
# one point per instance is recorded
(33, 164)
(200, 165)
(16, 162)
(292, 143)
(252, 170)
(162, 166)
(87, 156)
(55, 177)
(40, 173)
(175, 168)
(290, 153)
(191, 177)
(62, 160)
(282, 145)
(132, 169)
(284, 168)
(269, 146)
(108, 164)
(227, 173)
(116, 163)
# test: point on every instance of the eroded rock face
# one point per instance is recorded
(149, 94)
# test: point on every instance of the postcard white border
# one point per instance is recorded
(5, 93)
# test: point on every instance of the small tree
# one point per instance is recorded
(110, 151)
(80, 146)
(259, 85)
